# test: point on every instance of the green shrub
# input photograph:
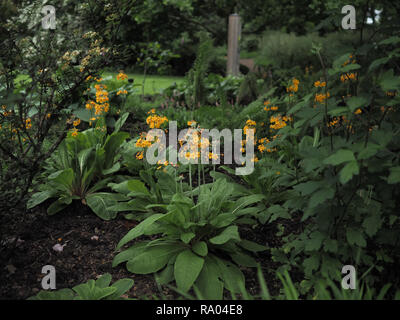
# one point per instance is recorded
(82, 166)
(196, 241)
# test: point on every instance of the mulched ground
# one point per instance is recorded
(82, 258)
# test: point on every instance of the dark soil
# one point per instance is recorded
(83, 257)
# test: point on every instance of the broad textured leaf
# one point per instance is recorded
(243, 259)
(129, 253)
(389, 81)
(348, 171)
(121, 286)
(394, 176)
(252, 246)
(355, 237)
(104, 281)
(321, 196)
(187, 268)
(99, 203)
(357, 102)
(111, 145)
(139, 229)
(339, 157)
(208, 282)
(153, 259)
(230, 233)
(315, 241)
(331, 245)
(311, 264)
(200, 248)
(372, 224)
(39, 197)
(121, 121)
(187, 237)
(232, 276)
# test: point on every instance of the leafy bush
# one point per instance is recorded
(337, 152)
(197, 239)
(81, 168)
(142, 201)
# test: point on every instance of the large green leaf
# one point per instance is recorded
(355, 236)
(100, 203)
(137, 187)
(321, 196)
(243, 259)
(230, 233)
(59, 204)
(153, 258)
(208, 282)
(348, 171)
(187, 268)
(231, 274)
(394, 176)
(223, 220)
(121, 286)
(129, 253)
(200, 248)
(357, 102)
(339, 157)
(111, 145)
(139, 229)
(120, 122)
(104, 281)
(389, 81)
(39, 197)
(252, 246)
(62, 180)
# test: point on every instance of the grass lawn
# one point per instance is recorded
(154, 83)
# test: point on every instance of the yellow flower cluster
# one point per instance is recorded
(5, 112)
(122, 92)
(262, 145)
(196, 142)
(101, 105)
(155, 121)
(294, 87)
(319, 84)
(122, 76)
(28, 123)
(321, 97)
(76, 122)
(142, 142)
(139, 155)
(350, 60)
(348, 76)
(74, 132)
(334, 122)
(88, 78)
(391, 93)
(268, 108)
(278, 122)
(250, 124)
(165, 164)
(358, 111)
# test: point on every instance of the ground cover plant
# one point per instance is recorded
(319, 123)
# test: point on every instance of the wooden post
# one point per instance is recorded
(234, 32)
